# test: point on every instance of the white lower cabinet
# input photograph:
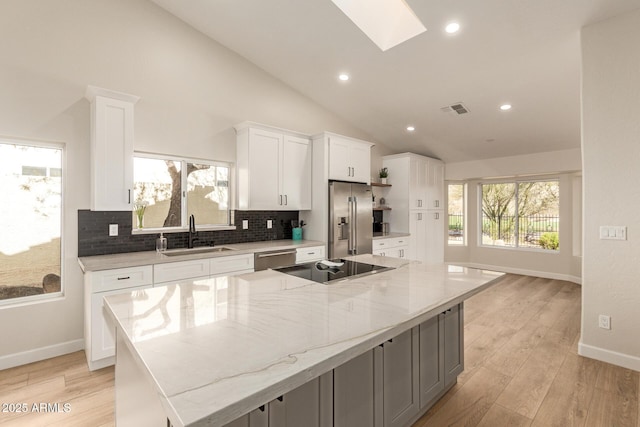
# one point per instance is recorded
(99, 333)
(391, 385)
(314, 253)
(396, 247)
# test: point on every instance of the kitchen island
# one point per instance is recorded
(211, 351)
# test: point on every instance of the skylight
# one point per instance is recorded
(386, 22)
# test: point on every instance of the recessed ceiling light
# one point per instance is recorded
(452, 27)
(411, 128)
(505, 107)
(344, 77)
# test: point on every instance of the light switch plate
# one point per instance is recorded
(113, 229)
(245, 224)
(613, 232)
(269, 223)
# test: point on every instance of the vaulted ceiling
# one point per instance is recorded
(522, 52)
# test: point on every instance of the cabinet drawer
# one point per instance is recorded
(229, 264)
(121, 278)
(315, 253)
(180, 270)
(393, 242)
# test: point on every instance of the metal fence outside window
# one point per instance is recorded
(530, 229)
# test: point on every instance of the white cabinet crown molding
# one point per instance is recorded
(246, 125)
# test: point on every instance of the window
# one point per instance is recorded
(456, 214)
(30, 220)
(521, 214)
(168, 190)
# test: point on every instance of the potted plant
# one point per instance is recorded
(384, 173)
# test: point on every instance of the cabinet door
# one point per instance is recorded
(111, 154)
(175, 271)
(264, 169)
(296, 173)
(434, 243)
(304, 406)
(354, 395)
(418, 230)
(418, 183)
(431, 359)
(103, 332)
(360, 160)
(401, 379)
(435, 184)
(339, 161)
(453, 343)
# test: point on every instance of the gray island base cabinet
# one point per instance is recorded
(391, 385)
(271, 349)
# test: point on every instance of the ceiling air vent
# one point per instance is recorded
(458, 108)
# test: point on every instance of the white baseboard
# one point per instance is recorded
(534, 273)
(42, 353)
(613, 357)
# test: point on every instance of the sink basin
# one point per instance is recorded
(193, 251)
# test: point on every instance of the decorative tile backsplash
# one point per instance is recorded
(94, 239)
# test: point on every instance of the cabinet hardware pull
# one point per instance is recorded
(286, 200)
(129, 202)
(348, 170)
(281, 398)
(261, 408)
(281, 199)
(390, 340)
(124, 278)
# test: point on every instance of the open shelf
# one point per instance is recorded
(381, 209)
(377, 184)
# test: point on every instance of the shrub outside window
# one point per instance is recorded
(521, 214)
(168, 190)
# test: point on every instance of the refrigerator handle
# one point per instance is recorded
(355, 226)
(350, 221)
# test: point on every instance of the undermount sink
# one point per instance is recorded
(193, 251)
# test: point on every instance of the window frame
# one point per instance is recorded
(45, 297)
(465, 216)
(516, 182)
(183, 202)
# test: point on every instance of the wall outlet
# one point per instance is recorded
(269, 223)
(113, 229)
(604, 321)
(245, 224)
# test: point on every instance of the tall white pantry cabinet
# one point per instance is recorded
(417, 201)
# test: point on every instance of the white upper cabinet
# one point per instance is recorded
(349, 159)
(435, 184)
(111, 149)
(274, 169)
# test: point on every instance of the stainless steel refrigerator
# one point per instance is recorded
(350, 219)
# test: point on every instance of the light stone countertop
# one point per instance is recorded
(379, 235)
(219, 348)
(136, 259)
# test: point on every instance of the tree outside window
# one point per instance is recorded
(167, 191)
(521, 214)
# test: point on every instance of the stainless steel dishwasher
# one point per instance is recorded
(274, 259)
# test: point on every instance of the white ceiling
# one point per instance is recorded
(524, 52)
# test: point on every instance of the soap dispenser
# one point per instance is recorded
(161, 243)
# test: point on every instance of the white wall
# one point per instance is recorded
(611, 157)
(192, 91)
(564, 264)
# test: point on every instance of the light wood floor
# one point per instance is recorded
(521, 369)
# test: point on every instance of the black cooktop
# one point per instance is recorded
(324, 274)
